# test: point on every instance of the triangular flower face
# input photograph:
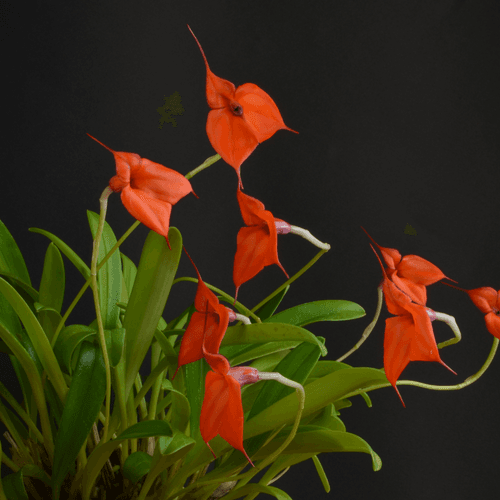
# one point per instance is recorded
(240, 118)
(257, 244)
(148, 189)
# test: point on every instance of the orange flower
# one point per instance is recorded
(411, 274)
(148, 190)
(206, 328)
(222, 410)
(408, 335)
(487, 300)
(257, 244)
(240, 118)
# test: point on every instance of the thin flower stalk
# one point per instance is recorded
(209, 161)
(451, 322)
(103, 200)
(289, 281)
(369, 328)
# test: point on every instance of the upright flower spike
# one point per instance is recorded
(222, 410)
(408, 335)
(148, 190)
(257, 244)
(240, 118)
(411, 274)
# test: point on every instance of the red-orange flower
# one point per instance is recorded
(206, 328)
(408, 335)
(222, 411)
(411, 274)
(240, 118)
(257, 244)
(148, 190)
(487, 300)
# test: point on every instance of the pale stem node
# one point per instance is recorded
(450, 321)
(234, 316)
(309, 237)
(369, 328)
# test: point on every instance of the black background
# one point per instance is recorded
(397, 108)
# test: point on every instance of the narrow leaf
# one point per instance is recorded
(109, 277)
(67, 251)
(259, 333)
(11, 259)
(53, 279)
(152, 284)
(137, 465)
(82, 405)
(320, 310)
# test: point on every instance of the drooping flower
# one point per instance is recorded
(408, 335)
(411, 274)
(147, 189)
(257, 244)
(487, 300)
(222, 410)
(240, 118)
(206, 328)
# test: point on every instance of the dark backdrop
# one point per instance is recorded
(397, 106)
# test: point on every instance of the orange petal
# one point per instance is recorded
(493, 324)
(419, 270)
(152, 212)
(260, 111)
(230, 136)
(484, 298)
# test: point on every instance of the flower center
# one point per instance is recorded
(236, 108)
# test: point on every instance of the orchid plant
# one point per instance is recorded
(205, 420)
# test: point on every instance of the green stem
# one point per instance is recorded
(103, 200)
(239, 305)
(203, 166)
(291, 280)
(87, 283)
(468, 381)
(369, 328)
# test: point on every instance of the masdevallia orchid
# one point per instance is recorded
(240, 118)
(257, 244)
(147, 189)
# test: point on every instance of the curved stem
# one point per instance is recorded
(220, 292)
(203, 166)
(290, 280)
(468, 381)
(87, 283)
(451, 322)
(309, 237)
(369, 328)
(103, 200)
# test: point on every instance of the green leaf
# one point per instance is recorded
(321, 392)
(312, 439)
(180, 406)
(129, 273)
(195, 374)
(37, 337)
(82, 405)
(137, 465)
(259, 333)
(102, 452)
(321, 473)
(11, 259)
(13, 486)
(67, 343)
(67, 251)
(320, 310)
(237, 355)
(152, 285)
(254, 489)
(115, 342)
(267, 309)
(109, 277)
(53, 279)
